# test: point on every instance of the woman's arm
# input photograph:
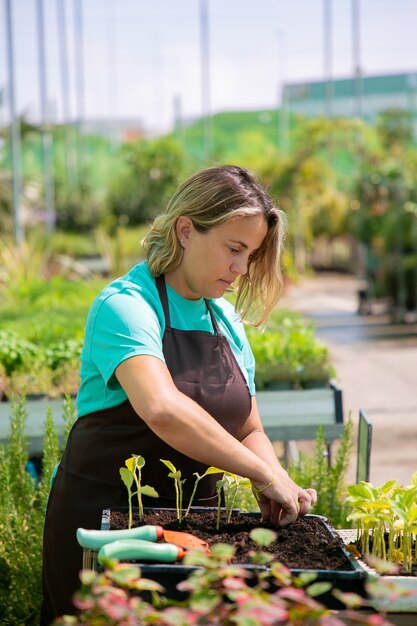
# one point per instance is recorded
(182, 423)
(273, 508)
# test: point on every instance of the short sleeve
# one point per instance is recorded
(124, 325)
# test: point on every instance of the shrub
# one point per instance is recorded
(22, 506)
(151, 172)
(328, 480)
(289, 351)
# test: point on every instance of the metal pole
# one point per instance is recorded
(282, 103)
(79, 84)
(401, 295)
(356, 52)
(48, 181)
(70, 156)
(328, 57)
(205, 81)
(15, 133)
(111, 45)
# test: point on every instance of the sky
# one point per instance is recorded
(142, 59)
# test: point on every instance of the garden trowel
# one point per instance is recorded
(140, 550)
(96, 539)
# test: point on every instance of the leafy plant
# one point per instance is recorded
(387, 511)
(15, 351)
(219, 488)
(328, 480)
(288, 351)
(127, 478)
(22, 506)
(210, 470)
(217, 593)
(134, 473)
(176, 476)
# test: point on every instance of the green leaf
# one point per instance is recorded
(169, 465)
(223, 551)
(146, 490)
(124, 575)
(144, 584)
(414, 479)
(349, 599)
(307, 577)
(126, 476)
(317, 589)
(130, 464)
(386, 487)
(175, 475)
(359, 491)
(213, 470)
(263, 536)
(205, 600)
(139, 461)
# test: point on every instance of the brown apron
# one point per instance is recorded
(204, 368)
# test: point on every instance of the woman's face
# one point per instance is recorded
(213, 260)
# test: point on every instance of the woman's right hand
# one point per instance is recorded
(284, 501)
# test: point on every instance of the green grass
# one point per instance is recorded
(52, 311)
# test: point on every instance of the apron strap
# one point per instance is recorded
(213, 319)
(163, 296)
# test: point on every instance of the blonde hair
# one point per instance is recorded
(210, 198)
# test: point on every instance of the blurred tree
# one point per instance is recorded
(313, 184)
(385, 222)
(78, 210)
(395, 128)
(5, 201)
(151, 169)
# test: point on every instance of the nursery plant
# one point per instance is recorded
(22, 506)
(133, 472)
(287, 351)
(217, 593)
(176, 476)
(329, 480)
(386, 520)
(210, 470)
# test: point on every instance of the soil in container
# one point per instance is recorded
(308, 543)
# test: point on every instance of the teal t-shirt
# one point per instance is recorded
(126, 319)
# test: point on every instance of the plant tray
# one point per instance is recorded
(350, 576)
(406, 604)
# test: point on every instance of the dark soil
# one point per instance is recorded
(309, 543)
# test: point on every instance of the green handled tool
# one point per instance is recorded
(95, 539)
(140, 550)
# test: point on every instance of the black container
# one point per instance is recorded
(170, 575)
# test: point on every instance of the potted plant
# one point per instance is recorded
(215, 593)
(309, 546)
(288, 354)
(385, 537)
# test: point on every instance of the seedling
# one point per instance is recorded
(390, 509)
(134, 467)
(233, 482)
(230, 485)
(219, 486)
(176, 476)
(210, 470)
(127, 477)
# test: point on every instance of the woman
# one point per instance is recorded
(167, 371)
